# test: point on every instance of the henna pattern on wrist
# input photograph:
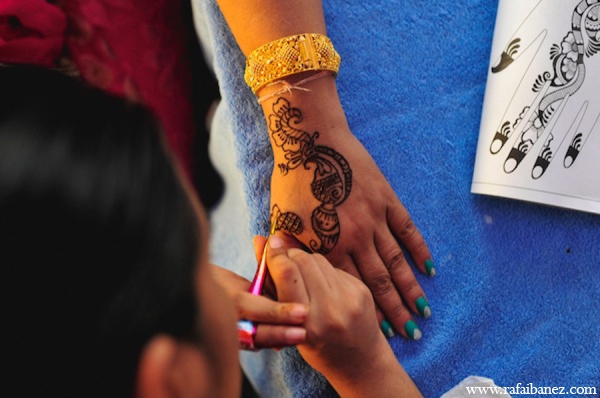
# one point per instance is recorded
(332, 181)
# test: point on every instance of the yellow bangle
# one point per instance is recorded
(288, 56)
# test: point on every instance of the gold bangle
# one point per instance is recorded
(288, 56)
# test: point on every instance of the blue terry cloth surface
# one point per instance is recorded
(518, 286)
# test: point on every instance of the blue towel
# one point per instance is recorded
(518, 286)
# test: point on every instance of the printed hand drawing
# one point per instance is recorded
(542, 102)
(566, 76)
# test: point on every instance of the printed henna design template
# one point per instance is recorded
(552, 144)
(578, 141)
(332, 180)
(553, 88)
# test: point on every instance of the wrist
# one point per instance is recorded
(375, 373)
(290, 56)
(315, 107)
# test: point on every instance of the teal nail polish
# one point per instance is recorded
(386, 328)
(412, 330)
(429, 268)
(423, 307)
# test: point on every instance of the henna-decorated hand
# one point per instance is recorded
(327, 191)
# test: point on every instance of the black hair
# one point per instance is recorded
(98, 240)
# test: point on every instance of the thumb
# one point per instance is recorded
(277, 245)
(290, 241)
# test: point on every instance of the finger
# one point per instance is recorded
(338, 279)
(347, 265)
(312, 267)
(406, 232)
(229, 280)
(263, 310)
(290, 242)
(285, 273)
(322, 298)
(384, 325)
(378, 279)
(279, 336)
(402, 274)
(259, 246)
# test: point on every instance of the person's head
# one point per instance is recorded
(104, 281)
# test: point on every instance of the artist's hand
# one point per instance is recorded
(342, 333)
(279, 323)
(327, 191)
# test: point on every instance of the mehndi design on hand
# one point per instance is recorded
(287, 222)
(332, 175)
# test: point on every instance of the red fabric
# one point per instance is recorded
(137, 48)
(31, 32)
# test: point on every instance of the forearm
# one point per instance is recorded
(257, 22)
(381, 377)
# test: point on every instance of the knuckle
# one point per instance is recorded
(286, 272)
(277, 334)
(399, 312)
(362, 291)
(268, 336)
(381, 285)
(298, 255)
(365, 293)
(314, 332)
(336, 324)
(421, 249)
(395, 260)
(407, 229)
(357, 309)
(410, 285)
(244, 313)
(276, 312)
(319, 258)
(238, 302)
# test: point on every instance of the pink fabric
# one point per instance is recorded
(134, 48)
(137, 48)
(31, 32)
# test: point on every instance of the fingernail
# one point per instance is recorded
(275, 242)
(298, 312)
(387, 329)
(429, 268)
(412, 330)
(423, 307)
(295, 335)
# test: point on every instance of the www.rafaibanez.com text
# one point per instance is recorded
(531, 389)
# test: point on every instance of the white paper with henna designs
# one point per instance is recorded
(539, 139)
